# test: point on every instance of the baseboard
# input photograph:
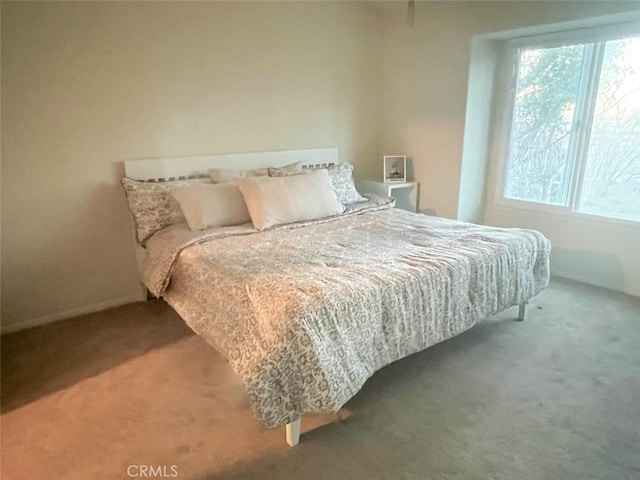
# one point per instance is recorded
(588, 281)
(75, 312)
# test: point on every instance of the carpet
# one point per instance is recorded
(132, 390)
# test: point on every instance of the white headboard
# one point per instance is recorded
(181, 167)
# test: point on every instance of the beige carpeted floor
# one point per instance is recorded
(555, 397)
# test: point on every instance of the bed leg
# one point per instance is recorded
(293, 432)
(522, 311)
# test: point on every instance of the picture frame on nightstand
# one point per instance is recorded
(395, 168)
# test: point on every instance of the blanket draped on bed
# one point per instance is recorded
(307, 313)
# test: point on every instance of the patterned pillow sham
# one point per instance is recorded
(225, 175)
(152, 205)
(342, 179)
(287, 170)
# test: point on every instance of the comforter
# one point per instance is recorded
(306, 313)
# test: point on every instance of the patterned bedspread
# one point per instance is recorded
(307, 313)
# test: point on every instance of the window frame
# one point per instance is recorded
(507, 77)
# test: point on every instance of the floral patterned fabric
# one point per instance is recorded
(152, 205)
(342, 179)
(286, 171)
(306, 313)
(224, 175)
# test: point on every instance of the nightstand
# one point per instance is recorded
(405, 193)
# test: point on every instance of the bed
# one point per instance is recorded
(306, 312)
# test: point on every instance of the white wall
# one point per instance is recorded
(87, 85)
(479, 120)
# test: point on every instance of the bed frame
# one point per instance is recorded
(174, 168)
(177, 168)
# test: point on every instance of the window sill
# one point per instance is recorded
(564, 212)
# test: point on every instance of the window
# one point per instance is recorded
(574, 139)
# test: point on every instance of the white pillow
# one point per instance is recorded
(341, 177)
(278, 200)
(208, 206)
